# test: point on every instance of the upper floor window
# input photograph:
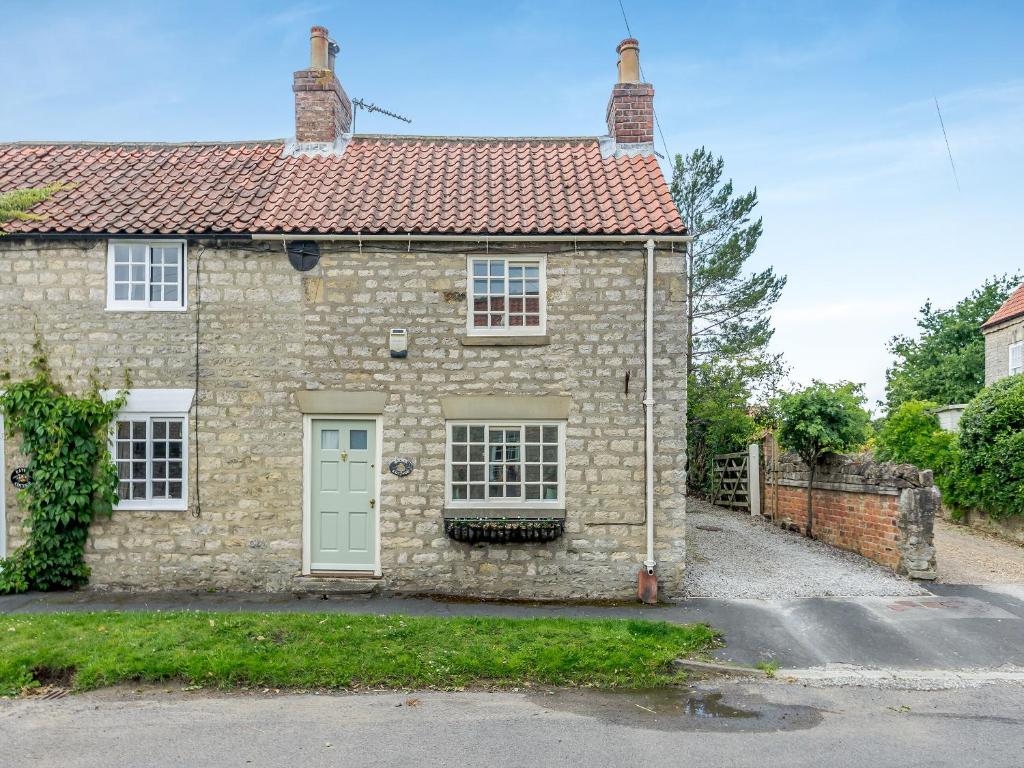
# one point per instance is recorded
(1017, 358)
(506, 296)
(146, 275)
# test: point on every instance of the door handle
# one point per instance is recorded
(373, 502)
(344, 456)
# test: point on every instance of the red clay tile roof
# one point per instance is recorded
(1012, 307)
(378, 185)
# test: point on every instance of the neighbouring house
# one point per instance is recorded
(1004, 339)
(408, 363)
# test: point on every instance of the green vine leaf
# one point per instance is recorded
(74, 480)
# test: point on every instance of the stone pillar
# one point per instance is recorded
(916, 523)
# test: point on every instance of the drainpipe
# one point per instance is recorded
(647, 587)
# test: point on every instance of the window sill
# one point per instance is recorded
(116, 308)
(510, 512)
(468, 340)
(148, 506)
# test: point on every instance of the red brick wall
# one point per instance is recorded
(864, 523)
(630, 114)
(322, 108)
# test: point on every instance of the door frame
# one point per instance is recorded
(307, 485)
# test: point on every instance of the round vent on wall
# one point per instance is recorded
(303, 254)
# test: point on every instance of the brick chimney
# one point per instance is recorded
(323, 111)
(630, 113)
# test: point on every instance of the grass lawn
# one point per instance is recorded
(339, 650)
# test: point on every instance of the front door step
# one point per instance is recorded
(319, 584)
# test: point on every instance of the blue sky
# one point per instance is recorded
(827, 108)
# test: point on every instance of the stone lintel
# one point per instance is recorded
(341, 401)
(505, 406)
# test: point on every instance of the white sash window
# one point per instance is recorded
(505, 464)
(146, 275)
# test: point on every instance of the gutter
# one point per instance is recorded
(279, 237)
(479, 238)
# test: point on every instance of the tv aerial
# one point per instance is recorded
(358, 104)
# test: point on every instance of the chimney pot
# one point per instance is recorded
(332, 52)
(318, 46)
(629, 60)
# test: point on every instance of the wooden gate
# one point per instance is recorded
(730, 476)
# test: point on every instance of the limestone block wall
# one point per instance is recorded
(997, 349)
(266, 332)
(884, 512)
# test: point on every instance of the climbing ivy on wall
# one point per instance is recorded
(72, 477)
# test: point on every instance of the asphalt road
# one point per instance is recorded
(753, 724)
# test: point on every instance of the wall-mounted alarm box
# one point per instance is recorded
(398, 342)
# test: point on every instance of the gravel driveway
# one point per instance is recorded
(967, 556)
(732, 555)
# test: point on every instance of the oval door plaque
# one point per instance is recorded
(20, 477)
(401, 467)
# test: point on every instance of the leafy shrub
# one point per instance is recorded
(988, 473)
(912, 435)
(718, 421)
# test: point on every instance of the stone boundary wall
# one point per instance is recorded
(1009, 528)
(884, 512)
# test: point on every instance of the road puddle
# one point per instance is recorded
(680, 709)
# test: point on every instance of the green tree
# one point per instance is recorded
(819, 420)
(912, 435)
(728, 322)
(727, 307)
(946, 362)
(989, 470)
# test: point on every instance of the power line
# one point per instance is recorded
(948, 150)
(657, 122)
(621, 8)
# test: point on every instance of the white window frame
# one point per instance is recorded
(149, 404)
(504, 503)
(127, 305)
(539, 260)
(1015, 346)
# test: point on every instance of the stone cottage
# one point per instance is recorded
(1004, 339)
(369, 362)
